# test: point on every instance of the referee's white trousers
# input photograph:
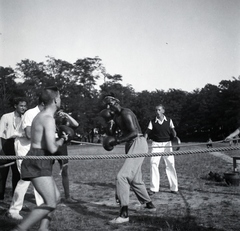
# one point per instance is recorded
(19, 194)
(170, 167)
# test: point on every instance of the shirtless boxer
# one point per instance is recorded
(39, 172)
(130, 175)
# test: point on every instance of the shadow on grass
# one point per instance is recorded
(220, 185)
(96, 211)
(6, 223)
(234, 189)
(169, 223)
(94, 184)
(139, 220)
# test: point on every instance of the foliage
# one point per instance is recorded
(208, 112)
(8, 89)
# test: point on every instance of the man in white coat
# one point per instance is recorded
(22, 146)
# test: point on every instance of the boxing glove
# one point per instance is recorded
(106, 114)
(109, 142)
(69, 133)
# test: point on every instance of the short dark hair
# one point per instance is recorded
(17, 100)
(48, 94)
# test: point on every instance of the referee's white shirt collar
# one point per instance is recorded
(160, 121)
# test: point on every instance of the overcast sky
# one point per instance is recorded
(153, 44)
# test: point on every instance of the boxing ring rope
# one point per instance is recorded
(182, 145)
(122, 156)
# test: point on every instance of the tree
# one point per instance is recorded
(210, 111)
(188, 125)
(76, 83)
(230, 98)
(144, 107)
(174, 101)
(8, 88)
(86, 73)
(33, 77)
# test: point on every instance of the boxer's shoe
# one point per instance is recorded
(119, 220)
(150, 206)
(174, 192)
(14, 216)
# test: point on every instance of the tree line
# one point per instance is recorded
(212, 111)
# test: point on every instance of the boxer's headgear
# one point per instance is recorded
(110, 100)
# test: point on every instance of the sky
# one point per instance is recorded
(153, 44)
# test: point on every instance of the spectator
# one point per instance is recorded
(22, 146)
(161, 130)
(9, 126)
(209, 143)
(65, 119)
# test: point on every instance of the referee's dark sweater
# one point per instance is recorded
(161, 132)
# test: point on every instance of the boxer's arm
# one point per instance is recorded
(147, 133)
(49, 136)
(72, 121)
(131, 131)
(235, 133)
(111, 128)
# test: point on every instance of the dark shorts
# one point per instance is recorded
(36, 168)
(62, 151)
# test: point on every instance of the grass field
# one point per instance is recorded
(201, 205)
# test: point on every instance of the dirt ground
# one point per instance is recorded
(202, 201)
(202, 204)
